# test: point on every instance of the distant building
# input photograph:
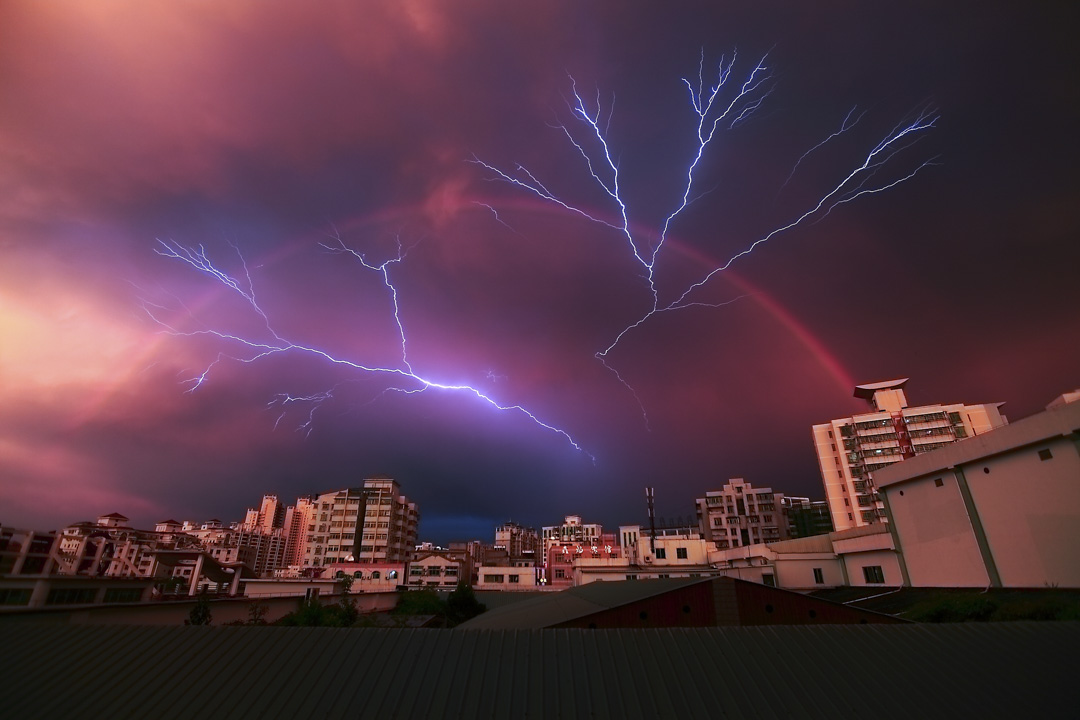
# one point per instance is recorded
(299, 518)
(440, 569)
(563, 557)
(806, 517)
(269, 516)
(739, 514)
(999, 510)
(109, 547)
(518, 541)
(850, 450)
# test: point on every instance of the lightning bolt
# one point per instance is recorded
(402, 378)
(718, 104)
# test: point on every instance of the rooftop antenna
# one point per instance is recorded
(652, 520)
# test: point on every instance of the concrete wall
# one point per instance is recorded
(1030, 512)
(935, 533)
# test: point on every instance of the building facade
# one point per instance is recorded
(739, 514)
(373, 524)
(850, 450)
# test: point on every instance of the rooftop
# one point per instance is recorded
(889, 671)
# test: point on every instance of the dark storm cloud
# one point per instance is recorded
(271, 128)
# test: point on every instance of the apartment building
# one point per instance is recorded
(298, 519)
(270, 515)
(850, 450)
(740, 514)
(373, 524)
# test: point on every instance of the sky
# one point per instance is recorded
(219, 221)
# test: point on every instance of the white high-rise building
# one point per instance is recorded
(851, 449)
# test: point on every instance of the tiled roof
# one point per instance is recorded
(839, 671)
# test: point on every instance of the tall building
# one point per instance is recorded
(851, 449)
(298, 519)
(269, 516)
(390, 523)
(369, 524)
(740, 514)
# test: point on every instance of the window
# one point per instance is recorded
(631, 577)
(495, 578)
(819, 577)
(514, 578)
(1045, 454)
(768, 579)
(873, 575)
(560, 573)
(680, 553)
(938, 482)
(661, 553)
(375, 575)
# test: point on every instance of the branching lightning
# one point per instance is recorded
(716, 109)
(718, 103)
(402, 378)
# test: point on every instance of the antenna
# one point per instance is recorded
(652, 520)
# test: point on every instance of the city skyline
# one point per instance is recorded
(282, 140)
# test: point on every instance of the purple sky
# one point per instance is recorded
(258, 131)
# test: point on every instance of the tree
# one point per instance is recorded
(462, 605)
(200, 614)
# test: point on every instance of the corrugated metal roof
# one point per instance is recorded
(553, 608)
(275, 672)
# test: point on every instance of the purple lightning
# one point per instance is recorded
(716, 109)
(402, 378)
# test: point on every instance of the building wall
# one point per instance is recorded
(796, 572)
(500, 577)
(940, 549)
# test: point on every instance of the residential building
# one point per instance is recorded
(109, 547)
(390, 523)
(26, 552)
(518, 541)
(573, 531)
(269, 516)
(373, 524)
(739, 514)
(806, 517)
(299, 518)
(851, 450)
(997, 510)
(440, 569)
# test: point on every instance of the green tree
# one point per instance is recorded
(462, 605)
(200, 614)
